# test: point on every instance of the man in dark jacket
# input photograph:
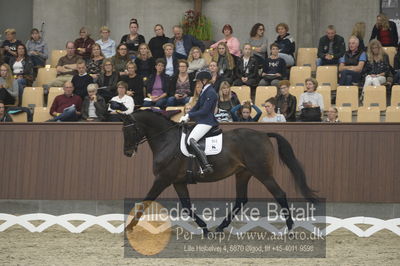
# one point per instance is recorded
(184, 42)
(331, 48)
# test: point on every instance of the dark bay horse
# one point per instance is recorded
(237, 157)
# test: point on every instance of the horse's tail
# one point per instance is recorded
(286, 155)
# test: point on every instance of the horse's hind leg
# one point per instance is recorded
(279, 195)
(242, 181)
(183, 194)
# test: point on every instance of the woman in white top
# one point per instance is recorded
(272, 116)
(107, 45)
(311, 103)
(121, 98)
(195, 60)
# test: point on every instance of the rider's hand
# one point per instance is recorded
(184, 118)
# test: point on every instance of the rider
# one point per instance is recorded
(203, 114)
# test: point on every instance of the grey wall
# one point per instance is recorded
(307, 19)
(8, 18)
(332, 12)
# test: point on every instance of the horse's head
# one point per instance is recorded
(132, 135)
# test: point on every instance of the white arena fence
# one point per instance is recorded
(332, 224)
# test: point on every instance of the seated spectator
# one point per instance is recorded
(181, 86)
(242, 112)
(37, 49)
(271, 116)
(83, 45)
(196, 94)
(225, 61)
(385, 31)
(332, 115)
(145, 62)
(157, 86)
(331, 48)
(259, 42)
(171, 68)
(274, 68)
(377, 68)
(311, 103)
(359, 32)
(133, 39)
(122, 103)
(156, 43)
(107, 45)
(247, 69)
(22, 68)
(10, 45)
(232, 43)
(8, 86)
(95, 62)
(286, 44)
(216, 79)
(81, 80)
(286, 103)
(352, 64)
(66, 67)
(108, 80)
(195, 60)
(186, 109)
(226, 101)
(120, 59)
(396, 68)
(4, 117)
(184, 42)
(94, 107)
(66, 107)
(136, 87)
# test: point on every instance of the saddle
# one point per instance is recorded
(211, 144)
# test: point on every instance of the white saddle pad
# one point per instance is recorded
(213, 145)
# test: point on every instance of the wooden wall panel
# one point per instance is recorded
(344, 162)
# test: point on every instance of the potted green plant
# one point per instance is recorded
(198, 25)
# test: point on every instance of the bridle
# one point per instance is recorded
(144, 139)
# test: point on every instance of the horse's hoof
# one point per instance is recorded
(205, 232)
(219, 230)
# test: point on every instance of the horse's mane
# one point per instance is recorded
(162, 114)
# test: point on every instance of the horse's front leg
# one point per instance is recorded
(183, 194)
(159, 185)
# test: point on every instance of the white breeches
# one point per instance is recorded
(198, 132)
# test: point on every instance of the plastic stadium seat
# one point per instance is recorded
(375, 96)
(53, 93)
(347, 96)
(32, 97)
(178, 115)
(55, 56)
(369, 114)
(263, 93)
(327, 76)
(325, 91)
(19, 118)
(345, 114)
(41, 114)
(145, 108)
(298, 75)
(243, 92)
(307, 57)
(45, 75)
(395, 100)
(296, 91)
(393, 114)
(391, 52)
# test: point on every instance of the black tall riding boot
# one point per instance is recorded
(207, 168)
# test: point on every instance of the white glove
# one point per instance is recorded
(184, 118)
